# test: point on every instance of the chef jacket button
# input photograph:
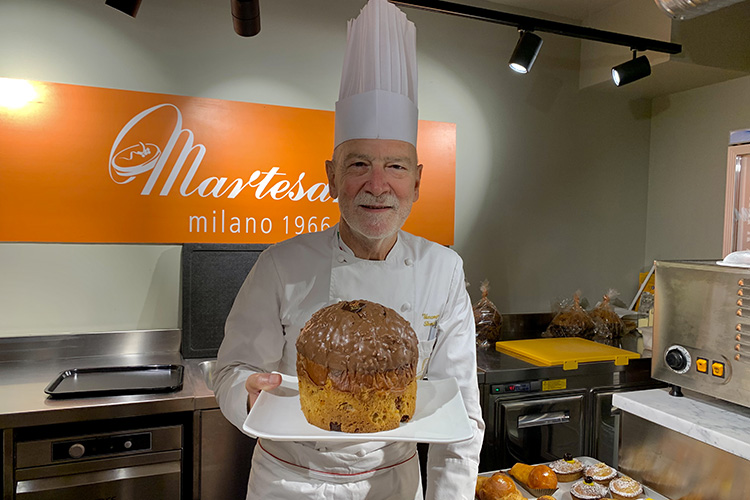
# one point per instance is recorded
(341, 259)
(406, 307)
(408, 262)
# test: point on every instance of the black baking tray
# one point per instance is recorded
(116, 380)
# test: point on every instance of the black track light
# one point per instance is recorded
(525, 52)
(630, 71)
(246, 17)
(129, 7)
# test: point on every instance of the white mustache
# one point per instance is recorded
(388, 200)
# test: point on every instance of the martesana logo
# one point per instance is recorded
(95, 165)
(128, 160)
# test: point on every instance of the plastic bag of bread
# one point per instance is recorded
(571, 321)
(608, 326)
(487, 319)
(537, 479)
(497, 487)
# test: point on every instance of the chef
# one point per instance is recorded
(375, 175)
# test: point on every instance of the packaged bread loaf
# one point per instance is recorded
(608, 326)
(487, 319)
(571, 321)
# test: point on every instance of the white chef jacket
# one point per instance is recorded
(291, 280)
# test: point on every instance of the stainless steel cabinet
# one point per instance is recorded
(605, 427)
(123, 459)
(221, 459)
(6, 461)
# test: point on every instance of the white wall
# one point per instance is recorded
(551, 181)
(688, 163)
(87, 288)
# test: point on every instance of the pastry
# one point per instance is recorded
(625, 488)
(588, 489)
(601, 472)
(546, 497)
(480, 483)
(356, 366)
(499, 487)
(534, 477)
(567, 468)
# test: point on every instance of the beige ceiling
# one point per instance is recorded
(576, 10)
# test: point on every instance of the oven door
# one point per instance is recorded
(124, 463)
(538, 429)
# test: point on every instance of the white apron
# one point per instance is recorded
(273, 477)
(291, 281)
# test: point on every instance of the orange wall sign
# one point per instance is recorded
(94, 165)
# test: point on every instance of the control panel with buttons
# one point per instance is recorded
(703, 363)
(701, 336)
(101, 446)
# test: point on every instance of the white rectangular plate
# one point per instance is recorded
(439, 417)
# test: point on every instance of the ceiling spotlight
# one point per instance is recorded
(129, 7)
(525, 52)
(246, 17)
(630, 71)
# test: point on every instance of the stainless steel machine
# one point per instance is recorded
(702, 329)
(702, 345)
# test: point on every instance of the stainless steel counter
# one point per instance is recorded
(28, 365)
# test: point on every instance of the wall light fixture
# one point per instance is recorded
(246, 17)
(525, 53)
(129, 7)
(528, 24)
(632, 70)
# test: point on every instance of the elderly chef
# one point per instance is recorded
(375, 176)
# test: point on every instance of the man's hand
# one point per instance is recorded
(260, 382)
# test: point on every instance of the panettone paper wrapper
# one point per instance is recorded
(538, 492)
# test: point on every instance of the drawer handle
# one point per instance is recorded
(51, 484)
(540, 419)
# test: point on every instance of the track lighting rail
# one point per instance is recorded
(527, 23)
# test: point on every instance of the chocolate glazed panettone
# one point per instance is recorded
(356, 365)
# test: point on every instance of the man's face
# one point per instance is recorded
(376, 181)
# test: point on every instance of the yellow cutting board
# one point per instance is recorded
(567, 352)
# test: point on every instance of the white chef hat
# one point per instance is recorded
(378, 95)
